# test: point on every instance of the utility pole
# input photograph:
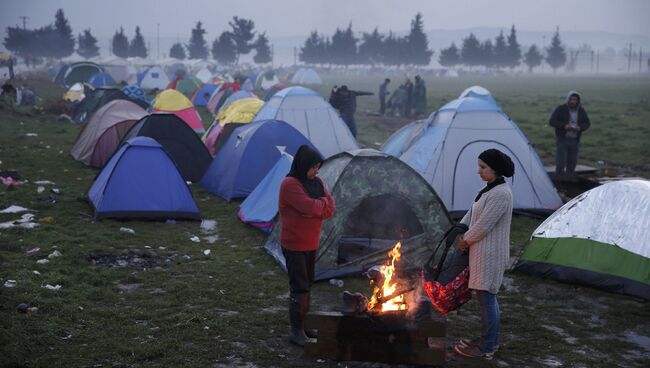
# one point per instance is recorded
(543, 51)
(591, 69)
(158, 40)
(294, 56)
(24, 18)
(640, 58)
(597, 62)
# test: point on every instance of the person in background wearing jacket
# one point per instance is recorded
(488, 241)
(419, 96)
(383, 92)
(569, 121)
(344, 100)
(303, 205)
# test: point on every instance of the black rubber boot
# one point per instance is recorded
(297, 319)
(312, 334)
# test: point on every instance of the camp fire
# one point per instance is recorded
(387, 297)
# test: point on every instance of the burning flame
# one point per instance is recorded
(389, 286)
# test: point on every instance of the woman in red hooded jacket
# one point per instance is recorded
(303, 205)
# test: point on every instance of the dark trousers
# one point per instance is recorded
(300, 267)
(382, 105)
(349, 121)
(566, 156)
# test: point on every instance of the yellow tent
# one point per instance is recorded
(76, 92)
(171, 100)
(241, 111)
(4, 57)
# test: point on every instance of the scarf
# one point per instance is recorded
(499, 180)
(305, 159)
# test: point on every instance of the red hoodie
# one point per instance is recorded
(301, 216)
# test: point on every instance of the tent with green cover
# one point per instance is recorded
(379, 201)
(600, 238)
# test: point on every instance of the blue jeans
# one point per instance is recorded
(489, 320)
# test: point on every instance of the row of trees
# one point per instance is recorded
(57, 41)
(228, 46)
(343, 48)
(123, 48)
(54, 40)
(505, 52)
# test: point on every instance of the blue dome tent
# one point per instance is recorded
(202, 94)
(101, 79)
(248, 155)
(261, 206)
(141, 181)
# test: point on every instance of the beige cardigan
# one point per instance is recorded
(489, 238)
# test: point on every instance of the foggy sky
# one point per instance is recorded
(282, 18)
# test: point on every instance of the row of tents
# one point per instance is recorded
(159, 77)
(402, 193)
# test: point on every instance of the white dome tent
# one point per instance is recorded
(314, 117)
(444, 149)
(306, 76)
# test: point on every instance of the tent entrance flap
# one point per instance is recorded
(377, 223)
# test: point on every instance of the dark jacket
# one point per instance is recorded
(345, 101)
(561, 117)
(383, 90)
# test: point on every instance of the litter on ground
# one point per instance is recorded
(15, 209)
(25, 222)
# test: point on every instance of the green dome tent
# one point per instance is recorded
(379, 201)
(187, 86)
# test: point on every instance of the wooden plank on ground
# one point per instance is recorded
(387, 338)
(580, 169)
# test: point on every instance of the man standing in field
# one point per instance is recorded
(420, 96)
(383, 92)
(569, 121)
(345, 101)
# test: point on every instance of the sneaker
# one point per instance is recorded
(473, 352)
(473, 342)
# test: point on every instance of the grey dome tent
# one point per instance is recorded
(379, 201)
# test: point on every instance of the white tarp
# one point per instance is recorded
(615, 213)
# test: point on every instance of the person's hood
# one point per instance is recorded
(571, 93)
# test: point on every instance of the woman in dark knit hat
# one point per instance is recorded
(303, 205)
(488, 242)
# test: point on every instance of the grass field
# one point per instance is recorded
(166, 304)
